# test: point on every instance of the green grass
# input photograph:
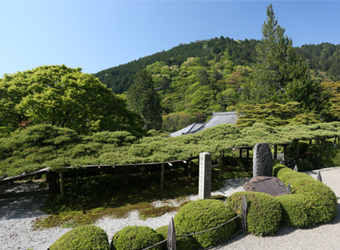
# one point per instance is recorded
(139, 195)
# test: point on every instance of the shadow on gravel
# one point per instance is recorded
(21, 200)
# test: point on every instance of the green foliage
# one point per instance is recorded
(200, 215)
(121, 138)
(144, 100)
(277, 63)
(91, 188)
(264, 212)
(175, 121)
(274, 114)
(311, 201)
(181, 243)
(43, 146)
(135, 238)
(82, 238)
(63, 97)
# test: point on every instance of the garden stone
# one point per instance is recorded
(262, 160)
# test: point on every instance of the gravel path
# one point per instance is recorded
(19, 206)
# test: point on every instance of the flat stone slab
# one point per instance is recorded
(265, 184)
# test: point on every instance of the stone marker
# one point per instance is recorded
(296, 168)
(289, 189)
(318, 177)
(262, 160)
(204, 188)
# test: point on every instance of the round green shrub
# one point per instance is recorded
(264, 212)
(311, 201)
(83, 238)
(163, 231)
(295, 210)
(181, 243)
(201, 215)
(136, 238)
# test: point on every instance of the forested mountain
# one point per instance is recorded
(323, 59)
(120, 78)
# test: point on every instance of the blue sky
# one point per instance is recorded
(96, 35)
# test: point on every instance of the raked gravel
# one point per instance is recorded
(19, 206)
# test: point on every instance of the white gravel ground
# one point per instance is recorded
(17, 214)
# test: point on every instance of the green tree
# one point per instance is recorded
(277, 63)
(177, 121)
(274, 114)
(143, 99)
(63, 97)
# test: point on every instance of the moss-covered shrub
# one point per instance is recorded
(83, 238)
(295, 210)
(264, 212)
(163, 230)
(181, 243)
(136, 238)
(200, 215)
(311, 201)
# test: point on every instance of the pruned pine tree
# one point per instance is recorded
(274, 114)
(143, 99)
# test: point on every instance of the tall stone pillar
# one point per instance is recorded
(204, 188)
(262, 160)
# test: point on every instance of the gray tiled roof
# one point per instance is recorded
(216, 119)
(221, 118)
(186, 130)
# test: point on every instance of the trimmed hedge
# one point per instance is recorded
(201, 215)
(136, 238)
(264, 212)
(83, 238)
(311, 201)
(181, 243)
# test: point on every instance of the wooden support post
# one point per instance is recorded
(297, 151)
(48, 180)
(62, 191)
(240, 153)
(220, 166)
(323, 144)
(189, 168)
(275, 152)
(310, 142)
(126, 177)
(162, 176)
(290, 151)
(52, 187)
(284, 153)
(248, 161)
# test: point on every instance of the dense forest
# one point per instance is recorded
(323, 59)
(222, 74)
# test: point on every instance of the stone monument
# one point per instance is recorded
(204, 188)
(262, 160)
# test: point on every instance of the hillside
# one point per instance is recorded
(120, 78)
(323, 59)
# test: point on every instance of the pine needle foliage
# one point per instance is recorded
(43, 146)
